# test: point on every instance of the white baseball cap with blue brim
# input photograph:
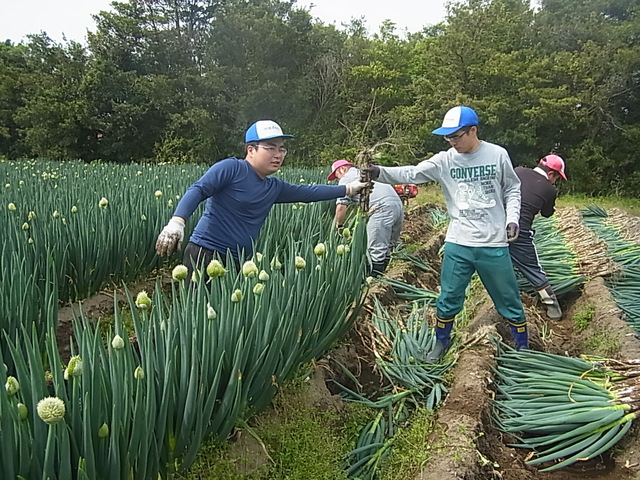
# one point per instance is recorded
(264, 130)
(457, 118)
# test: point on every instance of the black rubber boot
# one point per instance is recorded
(378, 268)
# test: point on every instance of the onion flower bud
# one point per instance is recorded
(179, 272)
(263, 276)
(103, 203)
(249, 269)
(258, 288)
(143, 301)
(236, 296)
(215, 269)
(12, 386)
(74, 368)
(319, 250)
(300, 263)
(12, 207)
(117, 343)
(23, 411)
(103, 431)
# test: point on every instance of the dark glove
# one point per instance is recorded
(373, 171)
(512, 232)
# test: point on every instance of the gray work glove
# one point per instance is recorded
(373, 171)
(355, 187)
(170, 238)
(512, 232)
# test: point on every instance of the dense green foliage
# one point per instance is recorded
(180, 82)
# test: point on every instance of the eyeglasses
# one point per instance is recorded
(455, 138)
(272, 149)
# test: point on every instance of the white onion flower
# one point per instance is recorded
(51, 410)
(301, 263)
(319, 249)
(103, 203)
(12, 207)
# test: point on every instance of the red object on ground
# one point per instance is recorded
(406, 191)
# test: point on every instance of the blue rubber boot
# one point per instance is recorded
(443, 340)
(520, 335)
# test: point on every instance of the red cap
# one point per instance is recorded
(554, 162)
(336, 165)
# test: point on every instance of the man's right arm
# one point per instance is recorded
(425, 171)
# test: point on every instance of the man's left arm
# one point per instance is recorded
(511, 192)
(549, 207)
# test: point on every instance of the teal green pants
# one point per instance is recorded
(495, 270)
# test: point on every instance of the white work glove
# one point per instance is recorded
(355, 187)
(170, 238)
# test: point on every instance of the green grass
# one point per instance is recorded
(427, 194)
(602, 343)
(581, 201)
(584, 316)
(432, 193)
(409, 453)
(301, 442)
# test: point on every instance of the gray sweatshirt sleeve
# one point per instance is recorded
(426, 171)
(511, 191)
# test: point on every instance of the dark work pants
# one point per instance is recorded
(200, 257)
(525, 258)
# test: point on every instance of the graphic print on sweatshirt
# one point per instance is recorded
(476, 191)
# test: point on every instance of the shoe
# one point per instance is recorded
(435, 355)
(554, 312)
(550, 301)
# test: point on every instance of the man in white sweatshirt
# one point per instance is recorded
(482, 193)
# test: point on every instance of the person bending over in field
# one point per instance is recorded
(386, 215)
(539, 194)
(239, 195)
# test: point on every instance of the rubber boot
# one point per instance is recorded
(443, 340)
(550, 301)
(378, 268)
(520, 335)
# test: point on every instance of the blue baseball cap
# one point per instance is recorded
(264, 130)
(455, 119)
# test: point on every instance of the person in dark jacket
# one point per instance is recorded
(239, 194)
(538, 195)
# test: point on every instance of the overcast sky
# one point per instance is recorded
(73, 17)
